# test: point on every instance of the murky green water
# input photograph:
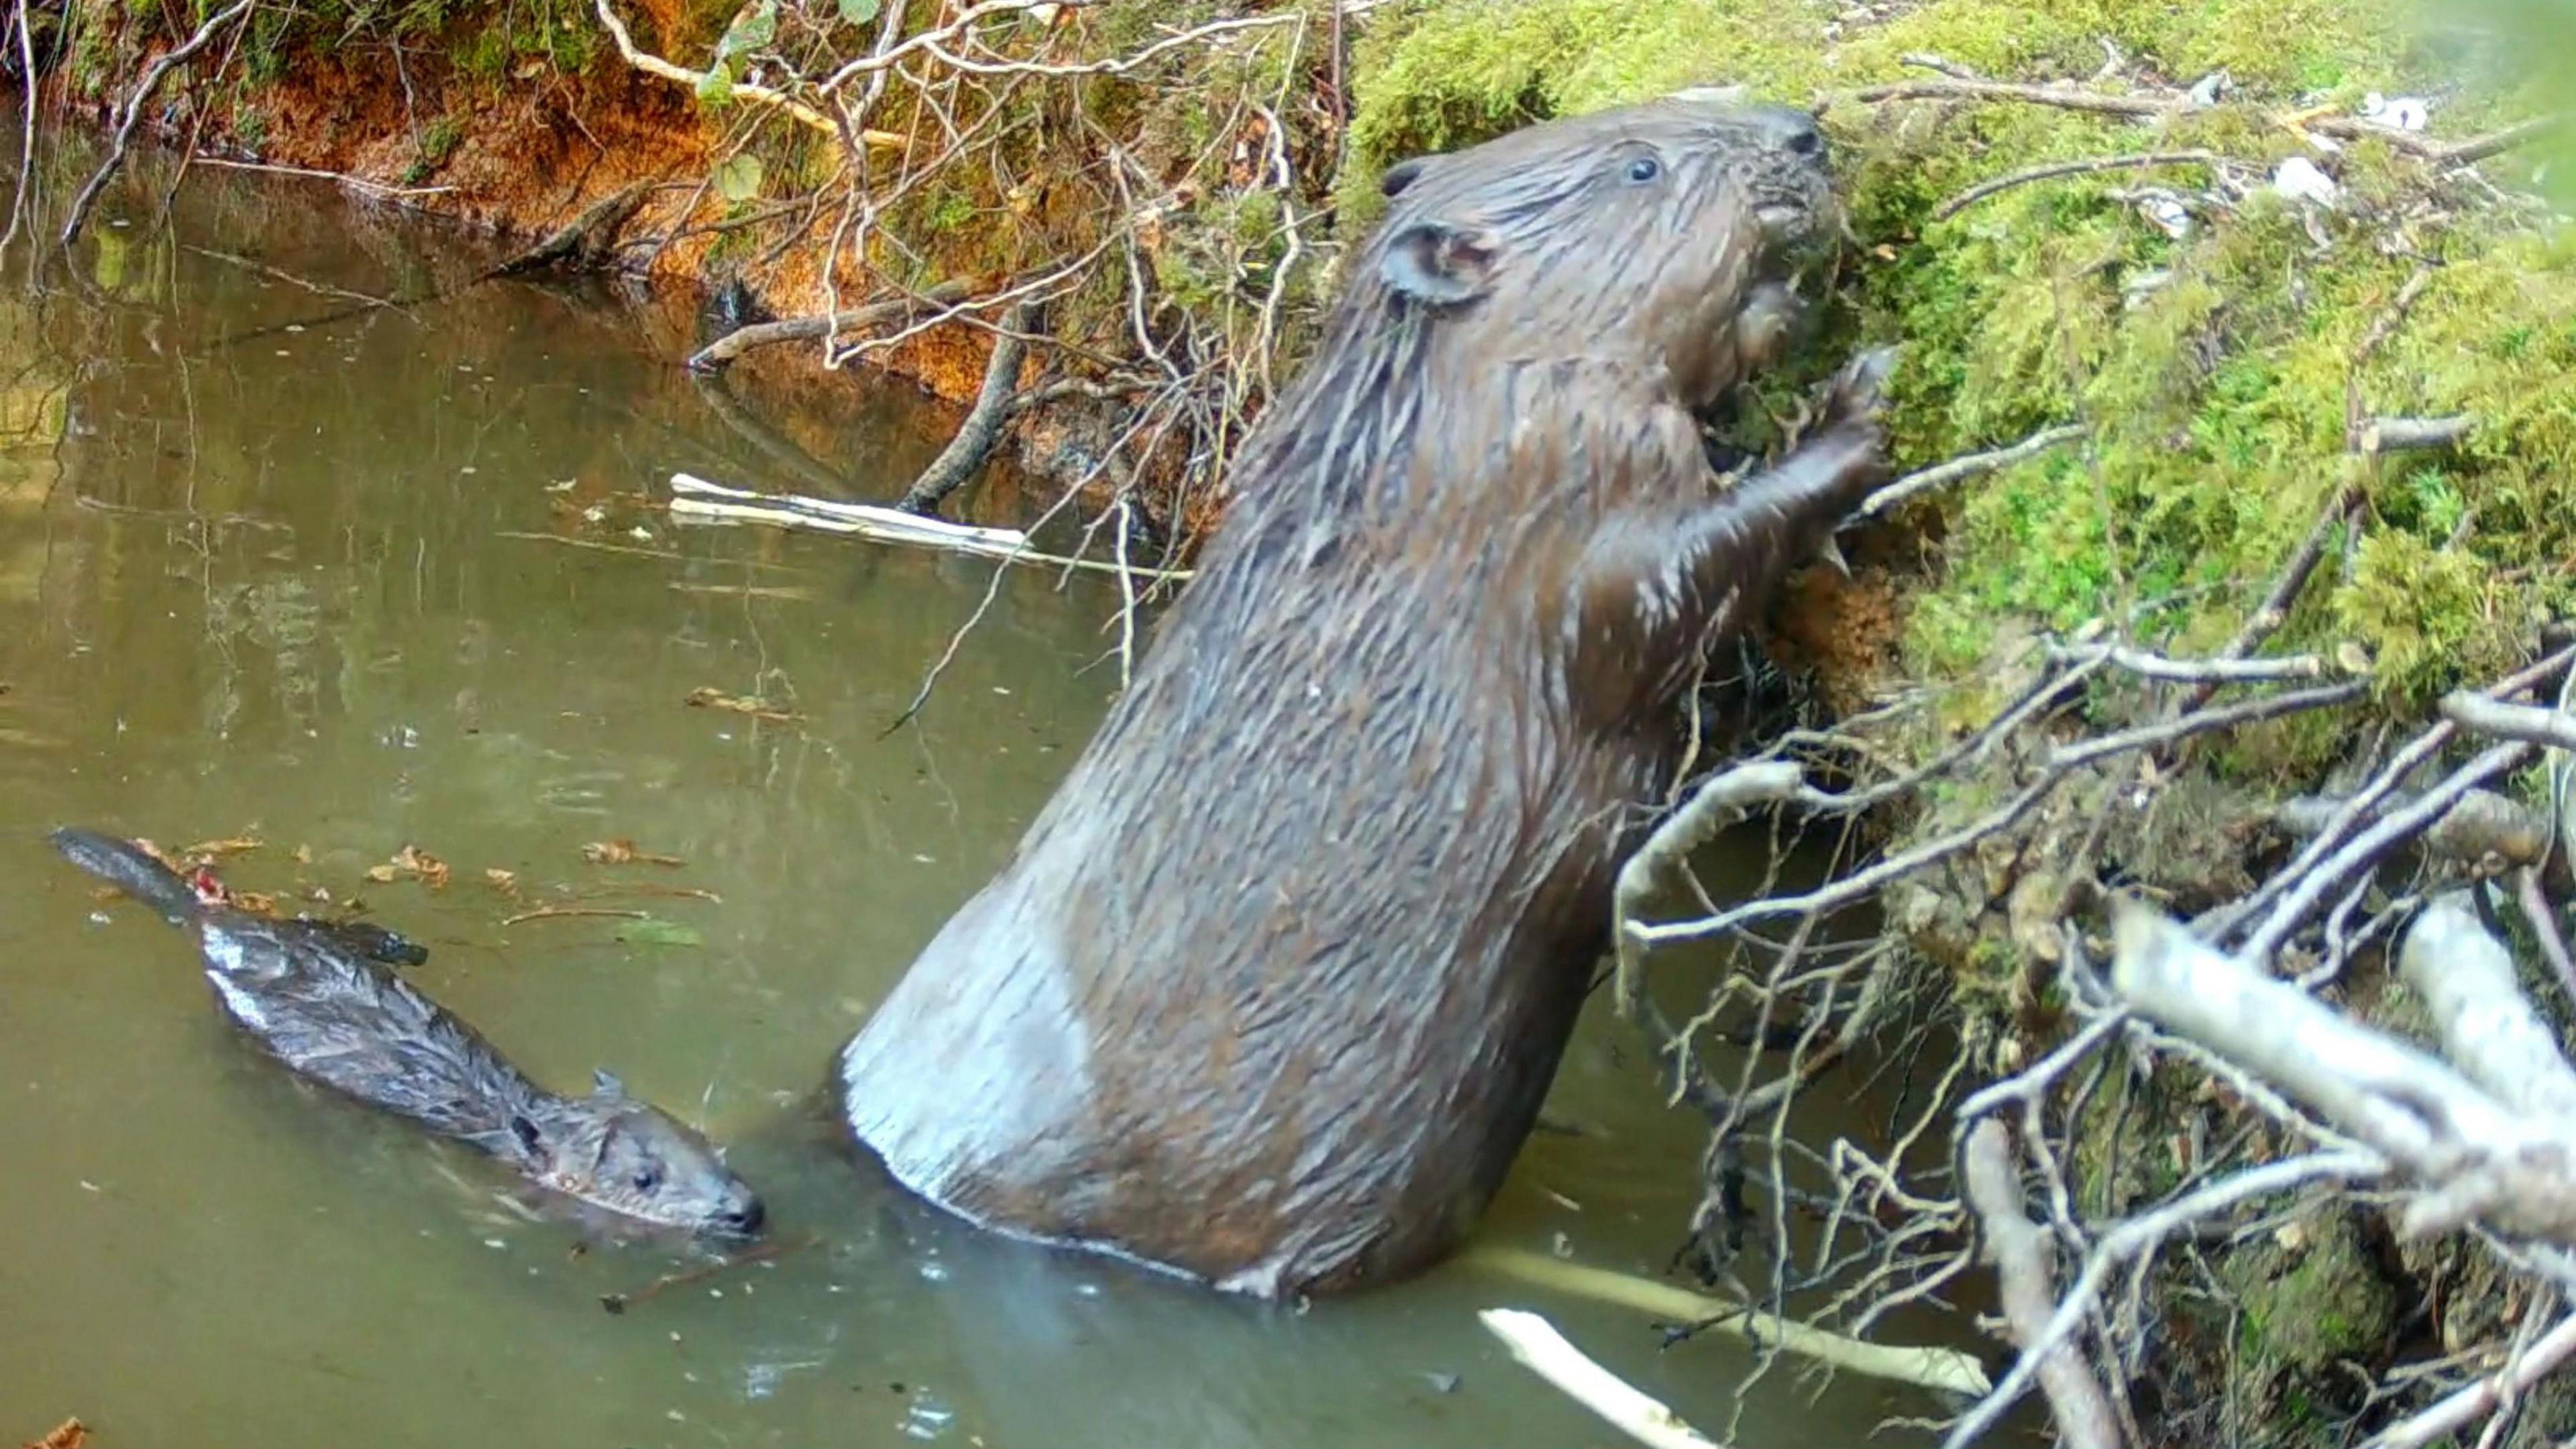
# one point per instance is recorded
(390, 580)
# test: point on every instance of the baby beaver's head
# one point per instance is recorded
(1659, 234)
(632, 1158)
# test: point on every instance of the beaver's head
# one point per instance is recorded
(632, 1158)
(1657, 234)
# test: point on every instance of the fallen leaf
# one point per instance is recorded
(69, 1434)
(258, 903)
(654, 931)
(415, 862)
(429, 868)
(623, 852)
(709, 697)
(501, 880)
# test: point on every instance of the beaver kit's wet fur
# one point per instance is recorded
(1274, 986)
(309, 994)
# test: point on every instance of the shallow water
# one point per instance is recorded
(335, 589)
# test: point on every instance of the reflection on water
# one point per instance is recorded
(389, 579)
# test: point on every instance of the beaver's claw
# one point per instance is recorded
(1858, 393)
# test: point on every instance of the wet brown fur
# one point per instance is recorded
(1274, 986)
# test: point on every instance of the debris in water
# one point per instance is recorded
(209, 850)
(623, 852)
(553, 913)
(69, 1434)
(414, 862)
(504, 881)
(709, 697)
(654, 931)
(1442, 1383)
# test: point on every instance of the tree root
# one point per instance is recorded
(967, 451)
(722, 352)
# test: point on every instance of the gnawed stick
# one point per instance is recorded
(1944, 1369)
(1536, 1343)
(2399, 435)
(2482, 824)
(696, 498)
(2020, 1253)
(2475, 1157)
(2488, 1028)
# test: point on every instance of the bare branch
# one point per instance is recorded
(143, 89)
(655, 65)
(2020, 1253)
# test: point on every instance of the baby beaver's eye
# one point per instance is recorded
(647, 1179)
(1645, 168)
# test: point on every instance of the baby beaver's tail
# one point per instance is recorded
(125, 865)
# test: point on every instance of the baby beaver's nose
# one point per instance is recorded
(745, 1219)
(1792, 130)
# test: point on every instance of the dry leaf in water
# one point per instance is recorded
(506, 881)
(69, 1434)
(431, 870)
(623, 852)
(709, 697)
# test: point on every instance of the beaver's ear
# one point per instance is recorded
(604, 1083)
(1439, 265)
(1401, 175)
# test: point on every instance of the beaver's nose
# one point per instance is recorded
(1792, 130)
(745, 1219)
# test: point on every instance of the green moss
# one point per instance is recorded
(2311, 1302)
(2213, 367)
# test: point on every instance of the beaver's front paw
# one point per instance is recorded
(1857, 397)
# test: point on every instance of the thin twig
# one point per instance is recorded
(2140, 161)
(1941, 475)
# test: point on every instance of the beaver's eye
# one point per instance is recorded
(1644, 168)
(647, 1179)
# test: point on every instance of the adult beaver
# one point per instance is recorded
(312, 996)
(1274, 985)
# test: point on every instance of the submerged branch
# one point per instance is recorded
(1944, 1369)
(1537, 1345)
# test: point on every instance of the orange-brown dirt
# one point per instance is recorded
(536, 148)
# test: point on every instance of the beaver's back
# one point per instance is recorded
(331, 1015)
